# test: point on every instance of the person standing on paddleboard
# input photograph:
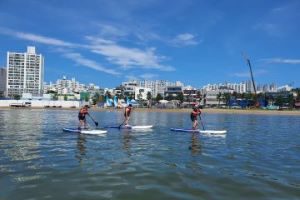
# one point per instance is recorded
(81, 116)
(127, 113)
(194, 117)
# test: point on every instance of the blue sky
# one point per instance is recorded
(193, 41)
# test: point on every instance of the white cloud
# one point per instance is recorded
(36, 38)
(128, 57)
(185, 39)
(116, 54)
(80, 60)
(281, 61)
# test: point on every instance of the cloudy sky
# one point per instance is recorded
(194, 41)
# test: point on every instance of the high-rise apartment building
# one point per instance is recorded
(25, 73)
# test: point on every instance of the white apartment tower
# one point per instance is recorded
(25, 73)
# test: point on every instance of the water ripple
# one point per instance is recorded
(257, 159)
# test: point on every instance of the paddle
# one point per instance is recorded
(96, 123)
(201, 122)
(122, 123)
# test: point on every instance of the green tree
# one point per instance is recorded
(149, 96)
(226, 98)
(290, 101)
(65, 97)
(248, 96)
(55, 96)
(279, 100)
(180, 97)
(169, 97)
(17, 97)
(242, 96)
(235, 95)
(219, 95)
(159, 97)
(95, 98)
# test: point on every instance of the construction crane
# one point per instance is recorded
(252, 78)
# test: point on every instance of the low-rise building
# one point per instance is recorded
(173, 91)
(2, 82)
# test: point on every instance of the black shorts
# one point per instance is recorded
(193, 118)
(81, 117)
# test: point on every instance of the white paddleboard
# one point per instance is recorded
(141, 127)
(213, 131)
(85, 131)
(132, 127)
(199, 131)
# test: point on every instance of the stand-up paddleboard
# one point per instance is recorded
(198, 131)
(132, 127)
(213, 131)
(85, 131)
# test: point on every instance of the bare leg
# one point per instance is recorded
(81, 123)
(195, 124)
(126, 120)
(85, 124)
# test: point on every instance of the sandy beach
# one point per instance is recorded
(184, 110)
(212, 110)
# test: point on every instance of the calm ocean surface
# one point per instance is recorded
(258, 159)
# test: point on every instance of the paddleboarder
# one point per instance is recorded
(127, 113)
(194, 117)
(81, 116)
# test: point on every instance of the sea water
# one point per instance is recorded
(258, 158)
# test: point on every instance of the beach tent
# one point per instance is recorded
(163, 101)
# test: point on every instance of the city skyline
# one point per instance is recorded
(197, 42)
(247, 85)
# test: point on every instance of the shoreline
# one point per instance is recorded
(183, 110)
(225, 111)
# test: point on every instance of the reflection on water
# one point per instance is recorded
(81, 149)
(259, 157)
(195, 144)
(126, 141)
